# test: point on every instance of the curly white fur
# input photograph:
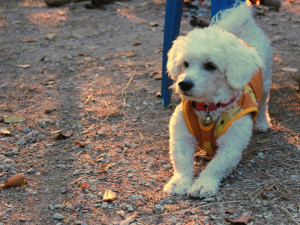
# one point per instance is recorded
(222, 45)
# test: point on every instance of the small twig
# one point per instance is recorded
(288, 213)
(104, 120)
(257, 193)
(88, 98)
(141, 135)
(124, 92)
(147, 123)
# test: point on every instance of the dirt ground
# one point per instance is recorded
(95, 73)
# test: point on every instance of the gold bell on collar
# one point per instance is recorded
(207, 120)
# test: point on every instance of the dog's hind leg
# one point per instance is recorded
(262, 121)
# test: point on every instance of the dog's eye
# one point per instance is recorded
(186, 64)
(210, 66)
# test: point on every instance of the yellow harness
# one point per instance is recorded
(249, 102)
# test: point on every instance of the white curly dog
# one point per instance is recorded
(223, 74)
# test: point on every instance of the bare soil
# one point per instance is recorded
(94, 72)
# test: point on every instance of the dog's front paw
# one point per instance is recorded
(178, 185)
(204, 187)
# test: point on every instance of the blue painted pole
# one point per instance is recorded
(219, 5)
(172, 25)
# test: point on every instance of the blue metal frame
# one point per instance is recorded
(172, 25)
(218, 5)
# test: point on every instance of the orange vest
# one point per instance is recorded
(206, 136)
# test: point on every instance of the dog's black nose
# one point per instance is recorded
(186, 85)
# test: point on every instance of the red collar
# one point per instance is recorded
(201, 106)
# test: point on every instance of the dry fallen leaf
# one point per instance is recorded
(50, 36)
(244, 219)
(158, 77)
(153, 24)
(127, 54)
(230, 211)
(56, 131)
(15, 118)
(23, 66)
(67, 134)
(109, 196)
(63, 135)
(130, 54)
(137, 43)
(81, 144)
(16, 180)
(104, 167)
(84, 186)
(49, 82)
(270, 187)
(61, 12)
(4, 131)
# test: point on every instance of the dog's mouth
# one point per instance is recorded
(190, 97)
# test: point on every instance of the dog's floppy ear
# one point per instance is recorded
(175, 58)
(243, 62)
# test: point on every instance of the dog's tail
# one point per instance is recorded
(234, 19)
